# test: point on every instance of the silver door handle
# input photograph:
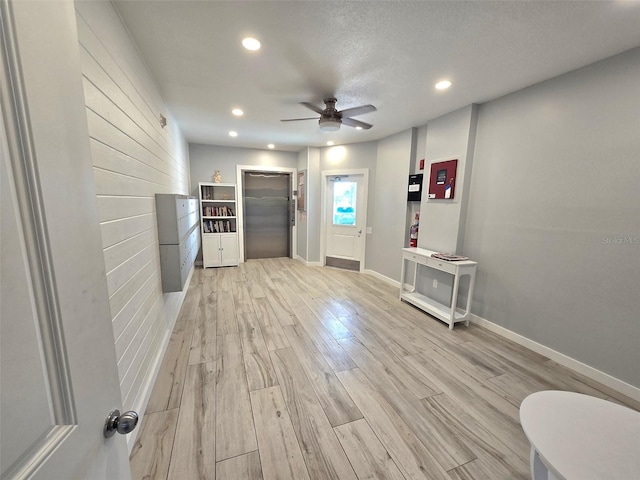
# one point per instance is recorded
(359, 232)
(122, 424)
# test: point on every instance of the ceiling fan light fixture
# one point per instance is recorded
(330, 124)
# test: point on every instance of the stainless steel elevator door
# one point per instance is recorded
(267, 230)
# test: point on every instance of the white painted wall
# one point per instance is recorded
(554, 214)
(133, 159)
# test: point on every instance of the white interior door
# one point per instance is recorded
(57, 354)
(345, 220)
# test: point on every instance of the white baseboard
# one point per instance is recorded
(571, 363)
(308, 264)
(145, 392)
(390, 281)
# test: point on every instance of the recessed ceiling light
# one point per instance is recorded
(237, 112)
(251, 43)
(443, 84)
(233, 134)
(358, 128)
(329, 143)
(271, 146)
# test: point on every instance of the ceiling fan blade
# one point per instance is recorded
(313, 107)
(296, 119)
(356, 123)
(352, 112)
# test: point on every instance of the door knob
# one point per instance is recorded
(123, 424)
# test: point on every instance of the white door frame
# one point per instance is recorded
(240, 170)
(324, 214)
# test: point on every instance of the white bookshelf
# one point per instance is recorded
(218, 224)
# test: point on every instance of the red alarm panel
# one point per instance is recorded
(442, 181)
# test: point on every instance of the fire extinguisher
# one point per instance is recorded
(413, 231)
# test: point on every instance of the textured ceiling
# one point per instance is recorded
(389, 54)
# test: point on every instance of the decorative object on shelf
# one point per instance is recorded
(217, 178)
(449, 257)
(442, 180)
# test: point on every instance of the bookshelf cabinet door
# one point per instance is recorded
(229, 249)
(211, 251)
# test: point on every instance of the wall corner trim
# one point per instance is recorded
(308, 264)
(599, 376)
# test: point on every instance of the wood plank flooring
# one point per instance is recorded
(276, 370)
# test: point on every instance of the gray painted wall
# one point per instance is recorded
(313, 201)
(448, 137)
(389, 199)
(207, 158)
(554, 214)
(301, 218)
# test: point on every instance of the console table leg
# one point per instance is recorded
(454, 300)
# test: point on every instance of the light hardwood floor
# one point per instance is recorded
(280, 371)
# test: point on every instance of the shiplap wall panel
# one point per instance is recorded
(97, 59)
(129, 345)
(113, 208)
(107, 158)
(95, 74)
(120, 252)
(125, 294)
(143, 345)
(103, 106)
(119, 276)
(122, 184)
(101, 131)
(145, 372)
(117, 231)
(127, 320)
(134, 158)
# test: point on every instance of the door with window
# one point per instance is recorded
(345, 221)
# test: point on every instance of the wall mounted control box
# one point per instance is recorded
(414, 194)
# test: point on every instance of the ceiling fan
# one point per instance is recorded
(331, 119)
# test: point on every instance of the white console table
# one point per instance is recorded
(447, 313)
